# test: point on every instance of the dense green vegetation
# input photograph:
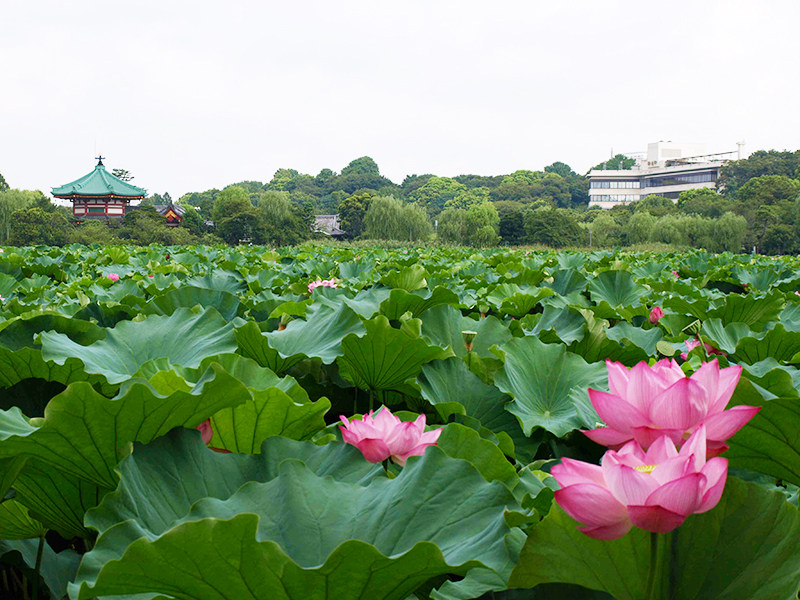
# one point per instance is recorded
(111, 357)
(756, 204)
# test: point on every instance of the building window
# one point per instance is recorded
(100, 211)
(681, 179)
(625, 184)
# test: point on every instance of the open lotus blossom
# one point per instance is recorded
(113, 276)
(647, 402)
(655, 314)
(654, 490)
(382, 435)
(677, 275)
(692, 344)
(321, 283)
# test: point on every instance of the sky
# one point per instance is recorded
(190, 95)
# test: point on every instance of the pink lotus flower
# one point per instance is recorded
(676, 274)
(655, 315)
(207, 433)
(113, 276)
(692, 344)
(647, 402)
(321, 283)
(151, 276)
(385, 436)
(654, 490)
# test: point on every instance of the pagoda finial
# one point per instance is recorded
(99, 159)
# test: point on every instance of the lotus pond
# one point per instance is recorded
(407, 424)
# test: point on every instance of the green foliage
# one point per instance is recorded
(391, 219)
(555, 227)
(436, 193)
(4, 187)
(737, 173)
(11, 201)
(616, 162)
(37, 226)
(352, 211)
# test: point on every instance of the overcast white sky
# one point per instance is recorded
(194, 94)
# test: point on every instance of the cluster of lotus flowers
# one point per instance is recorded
(321, 283)
(665, 432)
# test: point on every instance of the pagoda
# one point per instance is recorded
(99, 195)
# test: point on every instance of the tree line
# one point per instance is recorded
(756, 204)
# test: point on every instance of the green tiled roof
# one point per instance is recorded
(99, 183)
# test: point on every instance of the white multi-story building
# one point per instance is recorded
(667, 169)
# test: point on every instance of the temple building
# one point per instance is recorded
(99, 195)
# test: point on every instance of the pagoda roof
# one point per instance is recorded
(99, 183)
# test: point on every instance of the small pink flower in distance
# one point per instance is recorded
(113, 276)
(321, 283)
(151, 276)
(646, 402)
(676, 274)
(655, 315)
(207, 433)
(385, 436)
(654, 490)
(692, 344)
(797, 292)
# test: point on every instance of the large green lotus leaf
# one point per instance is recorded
(270, 412)
(617, 288)
(567, 281)
(747, 547)
(301, 536)
(776, 343)
(724, 337)
(400, 302)
(755, 312)
(7, 285)
(408, 279)
(319, 336)
(161, 481)
(451, 388)
(57, 569)
(367, 302)
(626, 334)
(384, 358)
(21, 332)
(459, 441)
(549, 385)
(444, 325)
(596, 345)
(57, 499)
(86, 434)
(184, 337)
(226, 303)
(17, 524)
(566, 324)
(511, 299)
(777, 379)
(770, 442)
(219, 280)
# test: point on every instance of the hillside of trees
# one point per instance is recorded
(756, 204)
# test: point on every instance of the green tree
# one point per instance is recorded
(605, 230)
(512, 227)
(192, 221)
(704, 202)
(11, 201)
(769, 189)
(728, 233)
(352, 211)
(281, 221)
(452, 225)
(36, 226)
(483, 224)
(92, 232)
(4, 187)
(667, 231)
(362, 173)
(554, 227)
(122, 174)
(737, 173)
(389, 218)
(436, 192)
(618, 162)
(639, 227)
(657, 206)
(202, 201)
(230, 202)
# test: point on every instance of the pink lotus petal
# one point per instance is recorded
(716, 472)
(374, 450)
(605, 436)
(654, 518)
(591, 504)
(723, 425)
(570, 472)
(617, 378)
(608, 532)
(616, 412)
(655, 315)
(678, 407)
(647, 435)
(661, 450)
(681, 496)
(628, 485)
(206, 433)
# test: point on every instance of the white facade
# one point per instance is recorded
(667, 170)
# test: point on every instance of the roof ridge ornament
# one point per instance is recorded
(99, 158)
